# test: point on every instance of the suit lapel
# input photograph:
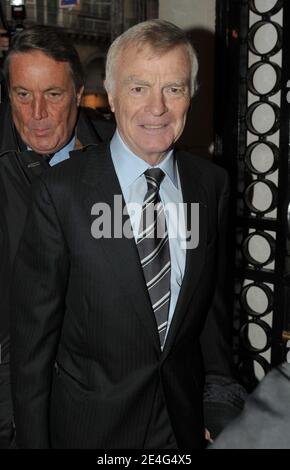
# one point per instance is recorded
(121, 252)
(192, 192)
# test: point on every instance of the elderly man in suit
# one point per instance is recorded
(117, 315)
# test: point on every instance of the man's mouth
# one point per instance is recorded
(154, 126)
(40, 132)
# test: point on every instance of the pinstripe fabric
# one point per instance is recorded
(83, 302)
(153, 248)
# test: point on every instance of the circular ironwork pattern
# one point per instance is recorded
(264, 78)
(259, 157)
(260, 7)
(259, 286)
(262, 158)
(261, 30)
(263, 118)
(244, 335)
(269, 189)
(246, 369)
(268, 239)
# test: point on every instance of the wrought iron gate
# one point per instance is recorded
(252, 142)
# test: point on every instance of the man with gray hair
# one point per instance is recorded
(115, 329)
(40, 124)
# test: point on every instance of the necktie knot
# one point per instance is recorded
(154, 177)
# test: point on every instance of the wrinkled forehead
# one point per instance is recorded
(151, 51)
(145, 61)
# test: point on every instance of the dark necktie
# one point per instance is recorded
(153, 248)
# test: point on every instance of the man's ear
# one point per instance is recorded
(80, 94)
(111, 102)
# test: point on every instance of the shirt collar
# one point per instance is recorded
(63, 153)
(129, 166)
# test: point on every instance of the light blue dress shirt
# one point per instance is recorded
(130, 172)
(63, 154)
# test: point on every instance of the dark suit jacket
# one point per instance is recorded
(83, 302)
(18, 168)
(265, 421)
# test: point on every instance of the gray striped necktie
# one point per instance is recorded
(153, 248)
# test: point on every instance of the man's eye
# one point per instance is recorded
(54, 95)
(138, 90)
(175, 90)
(22, 94)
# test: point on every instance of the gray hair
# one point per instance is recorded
(52, 42)
(161, 36)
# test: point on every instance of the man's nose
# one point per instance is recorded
(156, 103)
(39, 108)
